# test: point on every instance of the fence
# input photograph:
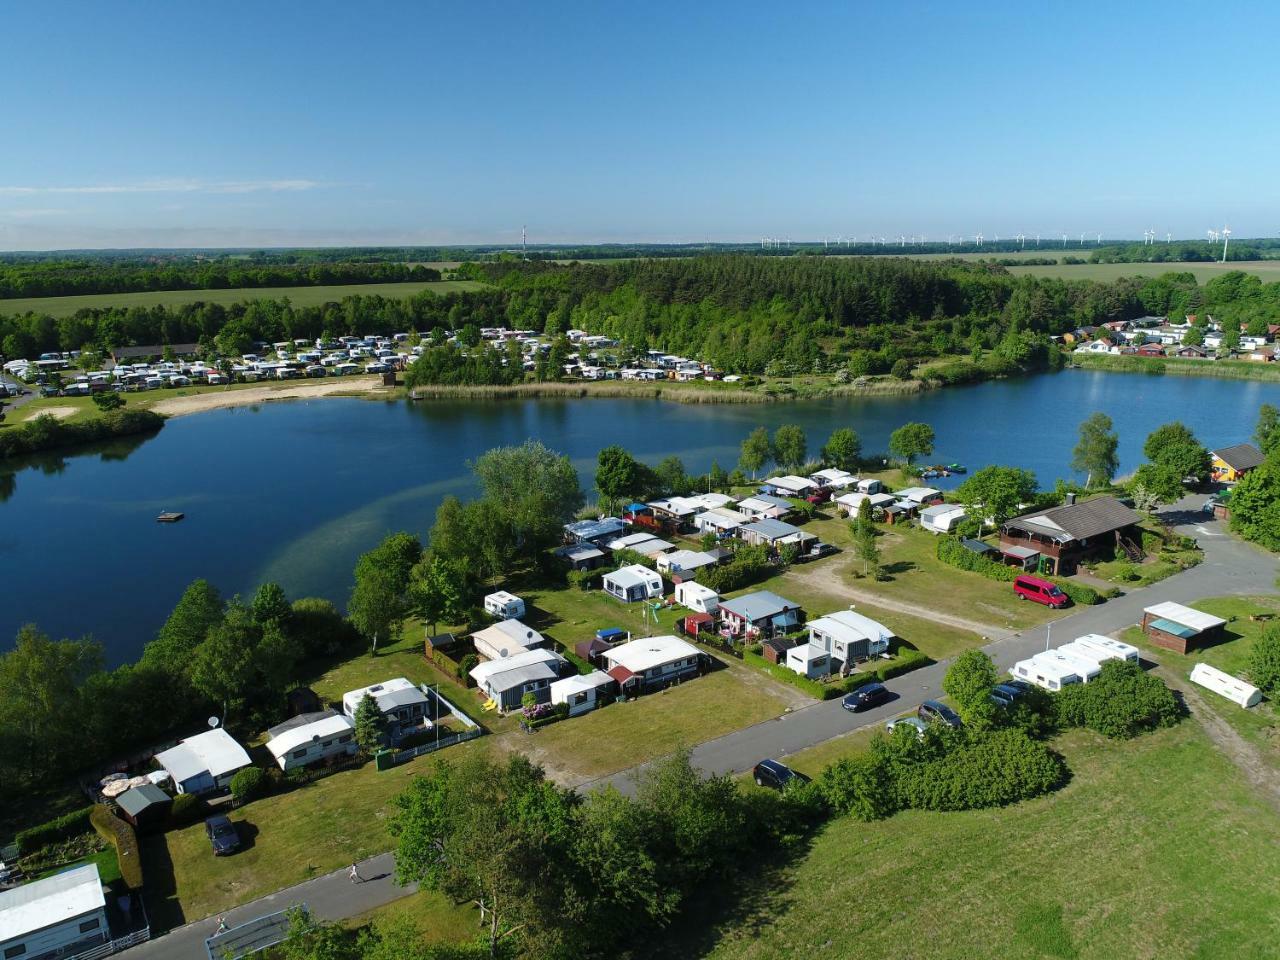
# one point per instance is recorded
(394, 758)
(114, 946)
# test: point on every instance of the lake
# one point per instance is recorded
(294, 491)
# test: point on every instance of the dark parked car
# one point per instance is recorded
(936, 712)
(222, 835)
(866, 696)
(771, 773)
(1006, 694)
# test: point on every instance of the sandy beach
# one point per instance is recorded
(219, 399)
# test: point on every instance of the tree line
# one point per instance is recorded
(64, 278)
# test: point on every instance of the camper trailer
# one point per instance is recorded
(696, 597)
(504, 606)
(1224, 684)
(1108, 648)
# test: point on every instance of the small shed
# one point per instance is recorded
(582, 693)
(590, 650)
(581, 556)
(775, 650)
(145, 805)
(302, 700)
(1180, 629)
(809, 661)
(504, 606)
(1023, 557)
(446, 643)
(694, 623)
(978, 547)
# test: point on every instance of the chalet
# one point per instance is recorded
(653, 662)
(403, 706)
(63, 915)
(681, 565)
(851, 502)
(1178, 628)
(505, 682)
(632, 583)
(203, 763)
(761, 613)
(722, 521)
(774, 534)
(1075, 532)
(505, 638)
(1151, 350)
(789, 486)
(676, 511)
(1191, 352)
(849, 637)
(1261, 355)
(833, 479)
(918, 497)
(1229, 464)
(310, 738)
(581, 556)
(764, 505)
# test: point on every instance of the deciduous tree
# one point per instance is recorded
(842, 449)
(1095, 454)
(994, 494)
(756, 451)
(911, 440)
(790, 447)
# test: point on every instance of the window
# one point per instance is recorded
(326, 744)
(89, 925)
(580, 697)
(345, 738)
(17, 951)
(299, 754)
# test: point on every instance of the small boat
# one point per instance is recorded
(169, 517)
(957, 468)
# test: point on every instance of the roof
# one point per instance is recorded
(771, 501)
(680, 506)
(771, 529)
(851, 625)
(1243, 456)
(633, 576)
(686, 559)
(300, 720)
(580, 682)
(790, 482)
(713, 501)
(331, 726)
(213, 751)
(595, 529)
(1020, 553)
(630, 541)
(941, 510)
(134, 801)
(153, 350)
(42, 903)
(579, 552)
(389, 695)
(509, 633)
(854, 500)
(621, 674)
(832, 476)
(698, 590)
(917, 494)
(806, 652)
(521, 668)
(977, 546)
(758, 605)
(1078, 521)
(1195, 619)
(649, 652)
(723, 517)
(501, 596)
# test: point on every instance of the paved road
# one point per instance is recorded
(14, 403)
(331, 897)
(1229, 567)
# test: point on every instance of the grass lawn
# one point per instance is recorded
(298, 296)
(1268, 270)
(1261, 724)
(288, 838)
(435, 917)
(1156, 848)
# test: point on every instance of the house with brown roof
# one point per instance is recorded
(1069, 535)
(1229, 464)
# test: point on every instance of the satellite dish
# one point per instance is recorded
(213, 722)
(503, 652)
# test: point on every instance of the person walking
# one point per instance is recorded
(354, 875)
(222, 925)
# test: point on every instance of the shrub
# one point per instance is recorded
(186, 808)
(581, 579)
(247, 784)
(124, 839)
(1121, 702)
(860, 786)
(60, 828)
(1264, 660)
(951, 552)
(986, 770)
(465, 666)
(1079, 593)
(819, 691)
(908, 659)
(45, 433)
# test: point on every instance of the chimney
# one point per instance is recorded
(1071, 499)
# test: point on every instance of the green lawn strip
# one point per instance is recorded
(1141, 854)
(1259, 725)
(298, 296)
(435, 917)
(108, 866)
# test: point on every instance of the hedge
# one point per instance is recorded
(951, 552)
(819, 691)
(122, 836)
(186, 808)
(61, 828)
(1080, 594)
(248, 783)
(908, 659)
(45, 433)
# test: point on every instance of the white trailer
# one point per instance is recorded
(504, 606)
(696, 597)
(1109, 648)
(1224, 684)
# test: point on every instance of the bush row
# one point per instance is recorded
(46, 433)
(1121, 702)
(953, 553)
(908, 659)
(122, 836)
(60, 828)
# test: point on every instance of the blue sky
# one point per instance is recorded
(333, 123)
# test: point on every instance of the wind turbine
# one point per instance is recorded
(1099, 239)
(1082, 239)
(1064, 241)
(1022, 241)
(977, 240)
(1213, 236)
(1168, 238)
(1226, 238)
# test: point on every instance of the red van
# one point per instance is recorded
(1041, 591)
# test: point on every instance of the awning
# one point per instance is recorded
(621, 674)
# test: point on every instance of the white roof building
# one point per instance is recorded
(389, 695)
(41, 904)
(834, 478)
(918, 495)
(649, 652)
(852, 501)
(505, 638)
(198, 763)
(1197, 620)
(332, 726)
(793, 485)
(713, 501)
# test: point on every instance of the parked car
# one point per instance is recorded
(775, 774)
(222, 835)
(913, 722)
(816, 551)
(866, 696)
(1041, 591)
(933, 711)
(1006, 694)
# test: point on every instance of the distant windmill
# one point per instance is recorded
(1226, 238)
(1022, 241)
(1168, 238)
(1037, 241)
(977, 240)
(1099, 239)
(524, 242)
(1213, 236)
(1082, 239)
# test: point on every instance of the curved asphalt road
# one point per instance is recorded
(1229, 567)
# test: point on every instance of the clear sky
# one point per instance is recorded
(184, 124)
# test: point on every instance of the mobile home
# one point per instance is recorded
(1106, 647)
(696, 597)
(632, 583)
(318, 737)
(581, 693)
(503, 606)
(505, 638)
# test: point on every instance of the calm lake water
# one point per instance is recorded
(295, 491)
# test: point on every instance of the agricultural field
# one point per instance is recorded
(1141, 854)
(298, 296)
(1267, 270)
